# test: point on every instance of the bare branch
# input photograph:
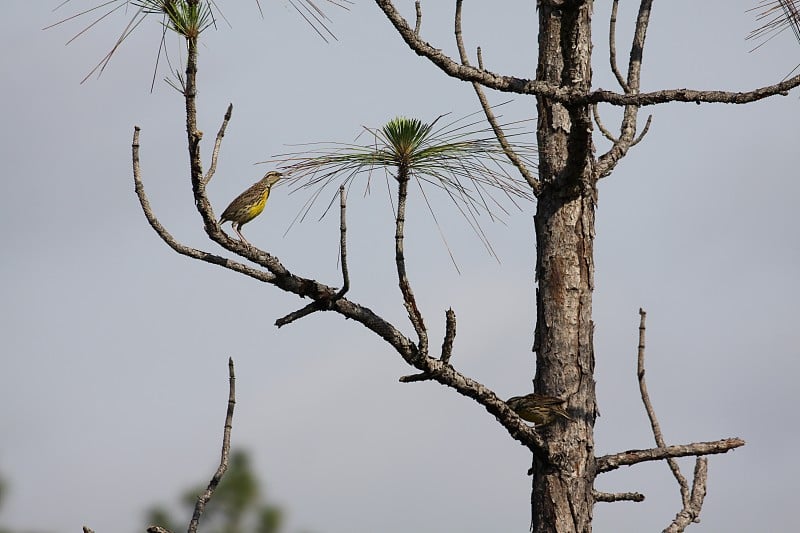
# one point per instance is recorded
(607, 134)
(607, 463)
(627, 138)
(487, 109)
(326, 305)
(572, 96)
(220, 134)
(418, 23)
(447, 348)
(644, 131)
(170, 240)
(203, 499)
(691, 512)
(612, 47)
(651, 413)
(611, 497)
(692, 502)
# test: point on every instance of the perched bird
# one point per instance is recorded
(538, 408)
(250, 203)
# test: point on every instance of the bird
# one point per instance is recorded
(538, 408)
(250, 203)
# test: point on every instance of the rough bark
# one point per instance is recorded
(562, 496)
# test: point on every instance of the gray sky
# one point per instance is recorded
(113, 371)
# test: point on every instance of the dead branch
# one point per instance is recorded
(571, 96)
(418, 23)
(487, 109)
(325, 305)
(170, 240)
(203, 499)
(217, 143)
(606, 133)
(691, 512)
(611, 497)
(627, 137)
(651, 413)
(692, 503)
(447, 348)
(607, 463)
(612, 47)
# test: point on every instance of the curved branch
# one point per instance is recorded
(612, 46)
(512, 156)
(571, 96)
(607, 463)
(409, 300)
(170, 240)
(606, 133)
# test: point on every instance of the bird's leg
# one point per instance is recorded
(239, 233)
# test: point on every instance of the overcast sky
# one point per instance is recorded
(113, 376)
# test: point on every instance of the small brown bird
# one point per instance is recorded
(250, 203)
(538, 408)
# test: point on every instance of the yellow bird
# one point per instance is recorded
(250, 203)
(538, 408)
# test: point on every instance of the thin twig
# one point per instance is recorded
(611, 497)
(607, 134)
(203, 499)
(327, 304)
(644, 131)
(217, 143)
(651, 413)
(487, 109)
(612, 46)
(418, 23)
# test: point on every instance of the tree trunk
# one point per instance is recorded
(562, 498)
